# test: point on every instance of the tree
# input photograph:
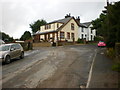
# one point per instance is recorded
(36, 25)
(26, 36)
(108, 24)
(5, 37)
(97, 24)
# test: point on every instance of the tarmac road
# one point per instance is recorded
(50, 67)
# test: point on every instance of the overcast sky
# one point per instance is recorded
(16, 15)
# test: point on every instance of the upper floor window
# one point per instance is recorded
(47, 26)
(62, 34)
(82, 29)
(72, 26)
(57, 25)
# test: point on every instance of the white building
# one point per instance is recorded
(85, 31)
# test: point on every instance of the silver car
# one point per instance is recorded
(11, 51)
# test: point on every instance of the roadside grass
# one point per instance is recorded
(116, 67)
(110, 53)
(92, 43)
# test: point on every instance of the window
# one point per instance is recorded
(62, 35)
(47, 26)
(72, 26)
(72, 35)
(91, 31)
(17, 46)
(91, 37)
(82, 30)
(82, 36)
(57, 25)
(68, 35)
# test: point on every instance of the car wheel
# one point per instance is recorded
(22, 55)
(7, 59)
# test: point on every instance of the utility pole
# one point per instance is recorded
(108, 23)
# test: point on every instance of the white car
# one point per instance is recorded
(11, 51)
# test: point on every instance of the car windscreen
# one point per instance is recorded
(101, 41)
(4, 48)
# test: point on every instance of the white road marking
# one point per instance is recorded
(90, 73)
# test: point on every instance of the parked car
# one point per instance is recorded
(101, 44)
(1, 42)
(11, 51)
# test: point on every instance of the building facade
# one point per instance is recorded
(85, 31)
(60, 30)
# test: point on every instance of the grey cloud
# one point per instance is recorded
(16, 16)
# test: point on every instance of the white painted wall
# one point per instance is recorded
(88, 32)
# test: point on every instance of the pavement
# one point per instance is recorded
(102, 75)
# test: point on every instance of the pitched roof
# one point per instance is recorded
(87, 24)
(82, 25)
(65, 20)
(38, 32)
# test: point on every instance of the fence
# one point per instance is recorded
(42, 44)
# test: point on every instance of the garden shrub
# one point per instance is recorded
(80, 40)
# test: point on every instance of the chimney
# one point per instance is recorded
(68, 15)
(78, 19)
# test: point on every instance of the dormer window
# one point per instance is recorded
(72, 26)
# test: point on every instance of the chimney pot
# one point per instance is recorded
(78, 19)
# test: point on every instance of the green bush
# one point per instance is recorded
(80, 40)
(116, 67)
(97, 38)
(111, 53)
(26, 46)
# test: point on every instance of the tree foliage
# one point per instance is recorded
(108, 24)
(26, 36)
(5, 37)
(36, 25)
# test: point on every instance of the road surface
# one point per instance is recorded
(50, 67)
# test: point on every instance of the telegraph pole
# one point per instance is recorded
(108, 23)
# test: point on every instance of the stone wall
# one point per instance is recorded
(42, 44)
(65, 43)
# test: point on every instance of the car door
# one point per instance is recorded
(13, 51)
(18, 50)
